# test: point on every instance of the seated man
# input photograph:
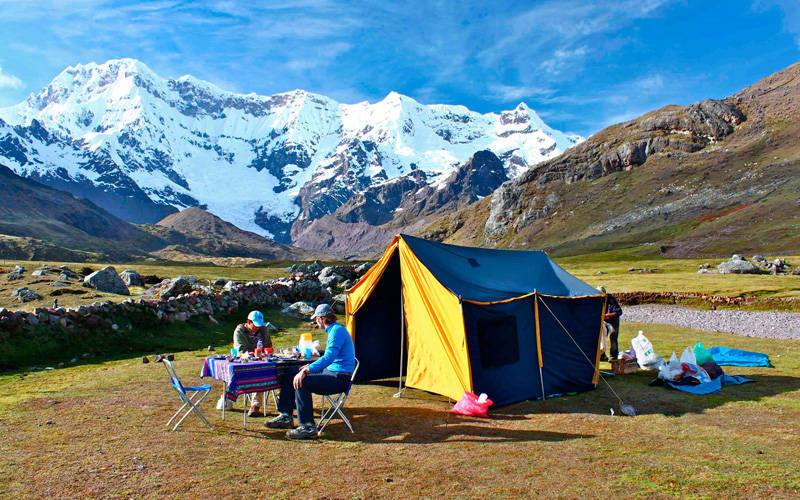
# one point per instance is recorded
(245, 339)
(330, 374)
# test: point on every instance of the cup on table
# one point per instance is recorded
(307, 353)
(268, 352)
(234, 352)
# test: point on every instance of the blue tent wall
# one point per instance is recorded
(508, 383)
(565, 368)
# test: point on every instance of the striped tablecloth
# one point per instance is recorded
(242, 378)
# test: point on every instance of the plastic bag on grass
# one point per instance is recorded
(645, 354)
(688, 356)
(472, 405)
(672, 370)
(702, 355)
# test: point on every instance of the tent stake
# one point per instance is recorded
(402, 345)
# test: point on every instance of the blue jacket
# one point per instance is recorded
(340, 353)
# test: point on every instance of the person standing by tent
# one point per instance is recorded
(245, 339)
(611, 318)
(330, 374)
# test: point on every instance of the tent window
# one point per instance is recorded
(497, 340)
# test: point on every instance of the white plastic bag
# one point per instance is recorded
(688, 356)
(672, 370)
(645, 355)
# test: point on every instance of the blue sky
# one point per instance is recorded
(581, 65)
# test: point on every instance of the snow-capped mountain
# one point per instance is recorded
(143, 146)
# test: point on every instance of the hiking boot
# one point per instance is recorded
(303, 432)
(603, 357)
(255, 411)
(282, 421)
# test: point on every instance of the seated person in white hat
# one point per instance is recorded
(245, 339)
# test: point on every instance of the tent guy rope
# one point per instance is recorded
(627, 409)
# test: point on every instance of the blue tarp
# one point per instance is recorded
(486, 275)
(713, 386)
(726, 356)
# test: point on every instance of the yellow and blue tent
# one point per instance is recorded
(510, 323)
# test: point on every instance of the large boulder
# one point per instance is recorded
(131, 278)
(300, 310)
(107, 280)
(738, 265)
(25, 295)
(170, 287)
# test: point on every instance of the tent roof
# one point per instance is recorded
(487, 275)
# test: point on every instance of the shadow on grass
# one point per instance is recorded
(634, 389)
(416, 426)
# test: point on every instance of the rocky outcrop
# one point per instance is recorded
(683, 130)
(107, 280)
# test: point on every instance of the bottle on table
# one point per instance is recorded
(259, 347)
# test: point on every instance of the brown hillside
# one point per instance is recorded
(711, 178)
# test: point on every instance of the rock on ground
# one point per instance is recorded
(131, 278)
(107, 280)
(738, 265)
(169, 287)
(300, 310)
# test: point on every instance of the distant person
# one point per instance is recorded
(245, 339)
(330, 374)
(611, 319)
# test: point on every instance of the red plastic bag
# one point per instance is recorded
(470, 406)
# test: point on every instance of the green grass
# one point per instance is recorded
(97, 430)
(675, 275)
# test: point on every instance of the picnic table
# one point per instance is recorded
(248, 377)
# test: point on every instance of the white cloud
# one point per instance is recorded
(9, 81)
(649, 84)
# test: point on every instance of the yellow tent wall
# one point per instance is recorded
(438, 360)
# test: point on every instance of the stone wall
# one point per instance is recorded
(45, 323)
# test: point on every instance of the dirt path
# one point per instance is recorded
(767, 324)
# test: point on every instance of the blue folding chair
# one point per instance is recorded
(336, 404)
(187, 396)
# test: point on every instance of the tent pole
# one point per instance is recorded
(402, 345)
(538, 340)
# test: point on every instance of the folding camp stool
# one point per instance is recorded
(184, 394)
(335, 405)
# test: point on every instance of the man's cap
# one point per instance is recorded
(257, 318)
(322, 310)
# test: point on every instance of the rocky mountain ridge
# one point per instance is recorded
(142, 146)
(709, 178)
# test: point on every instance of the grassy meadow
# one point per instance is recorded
(95, 428)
